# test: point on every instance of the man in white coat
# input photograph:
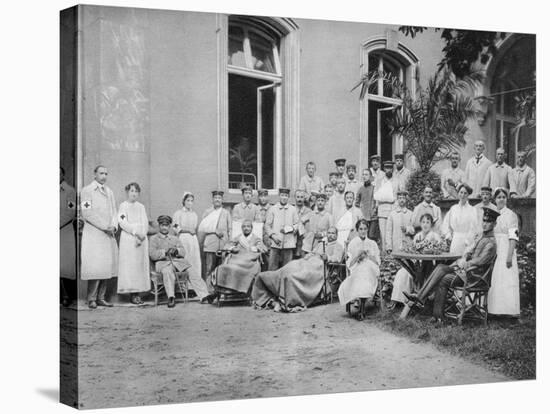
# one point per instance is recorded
(99, 249)
(476, 168)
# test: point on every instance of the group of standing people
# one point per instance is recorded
(351, 220)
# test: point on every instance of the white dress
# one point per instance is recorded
(188, 220)
(403, 280)
(363, 279)
(462, 222)
(133, 262)
(503, 296)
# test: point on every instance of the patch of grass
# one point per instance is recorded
(505, 346)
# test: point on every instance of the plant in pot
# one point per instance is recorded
(433, 122)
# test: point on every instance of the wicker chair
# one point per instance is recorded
(470, 300)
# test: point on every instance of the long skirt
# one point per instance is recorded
(361, 284)
(503, 296)
(192, 254)
(294, 286)
(403, 282)
(238, 272)
(458, 244)
(133, 265)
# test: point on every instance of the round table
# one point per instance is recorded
(413, 263)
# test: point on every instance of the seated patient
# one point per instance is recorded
(296, 285)
(363, 263)
(167, 252)
(403, 281)
(239, 271)
(469, 268)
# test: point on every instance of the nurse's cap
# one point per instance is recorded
(284, 191)
(217, 193)
(340, 161)
(262, 191)
(164, 219)
(490, 214)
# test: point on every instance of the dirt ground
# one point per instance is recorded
(146, 355)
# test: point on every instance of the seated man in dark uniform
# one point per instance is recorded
(472, 265)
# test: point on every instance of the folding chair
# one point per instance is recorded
(470, 301)
(182, 284)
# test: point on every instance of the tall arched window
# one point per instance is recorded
(259, 129)
(514, 74)
(386, 55)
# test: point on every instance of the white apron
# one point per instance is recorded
(503, 296)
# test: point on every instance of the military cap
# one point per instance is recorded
(217, 193)
(466, 186)
(486, 188)
(490, 214)
(402, 193)
(334, 174)
(284, 190)
(375, 157)
(340, 161)
(351, 167)
(315, 193)
(388, 164)
(164, 219)
(245, 188)
(398, 157)
(262, 191)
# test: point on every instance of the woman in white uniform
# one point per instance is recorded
(403, 281)
(364, 266)
(186, 222)
(133, 262)
(503, 296)
(461, 223)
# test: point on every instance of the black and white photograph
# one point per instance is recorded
(274, 206)
(256, 206)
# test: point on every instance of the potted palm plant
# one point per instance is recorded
(433, 122)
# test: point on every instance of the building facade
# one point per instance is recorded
(184, 101)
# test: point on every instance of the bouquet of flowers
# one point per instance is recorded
(427, 247)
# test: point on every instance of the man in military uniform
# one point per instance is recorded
(67, 240)
(99, 248)
(304, 214)
(469, 268)
(281, 225)
(263, 207)
(168, 254)
(215, 230)
(340, 166)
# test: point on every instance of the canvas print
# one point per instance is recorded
(256, 206)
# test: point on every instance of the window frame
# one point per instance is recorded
(408, 62)
(289, 102)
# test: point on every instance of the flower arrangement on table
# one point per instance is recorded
(427, 247)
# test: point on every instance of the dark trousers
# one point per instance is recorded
(374, 230)
(211, 261)
(448, 281)
(68, 289)
(97, 289)
(433, 281)
(279, 257)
